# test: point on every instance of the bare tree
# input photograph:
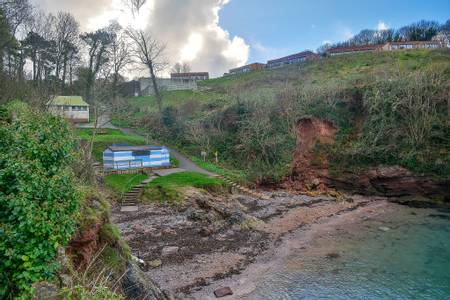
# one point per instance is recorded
(148, 52)
(119, 57)
(66, 38)
(134, 5)
(177, 68)
(181, 68)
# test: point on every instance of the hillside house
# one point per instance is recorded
(247, 68)
(134, 157)
(354, 49)
(292, 59)
(73, 108)
(412, 45)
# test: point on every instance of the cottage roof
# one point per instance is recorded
(246, 66)
(413, 42)
(293, 56)
(134, 148)
(68, 100)
(354, 48)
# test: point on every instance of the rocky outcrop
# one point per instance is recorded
(310, 170)
(391, 181)
(307, 162)
(84, 244)
(136, 286)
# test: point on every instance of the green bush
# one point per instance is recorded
(38, 198)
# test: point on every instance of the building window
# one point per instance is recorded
(141, 153)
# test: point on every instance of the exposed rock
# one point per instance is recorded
(195, 214)
(206, 231)
(384, 228)
(84, 244)
(333, 255)
(156, 263)
(392, 181)
(45, 291)
(136, 286)
(169, 251)
(310, 171)
(223, 291)
(169, 231)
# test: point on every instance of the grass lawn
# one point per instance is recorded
(168, 188)
(237, 175)
(123, 183)
(112, 136)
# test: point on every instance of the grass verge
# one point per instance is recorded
(108, 137)
(238, 176)
(169, 188)
(123, 183)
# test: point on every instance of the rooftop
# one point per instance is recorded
(134, 148)
(293, 56)
(354, 48)
(245, 66)
(68, 100)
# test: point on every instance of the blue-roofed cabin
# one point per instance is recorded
(133, 157)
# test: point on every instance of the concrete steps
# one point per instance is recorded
(130, 200)
(243, 189)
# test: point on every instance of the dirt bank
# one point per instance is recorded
(310, 171)
(210, 237)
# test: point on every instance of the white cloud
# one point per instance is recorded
(326, 42)
(183, 25)
(382, 25)
(344, 32)
(189, 28)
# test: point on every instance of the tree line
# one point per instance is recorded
(418, 31)
(49, 53)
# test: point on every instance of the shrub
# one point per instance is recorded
(38, 199)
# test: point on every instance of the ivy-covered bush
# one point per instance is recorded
(38, 198)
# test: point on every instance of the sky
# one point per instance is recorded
(216, 35)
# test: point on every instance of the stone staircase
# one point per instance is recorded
(244, 189)
(130, 200)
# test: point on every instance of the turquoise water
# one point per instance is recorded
(409, 261)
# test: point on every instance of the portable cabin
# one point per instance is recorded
(73, 108)
(133, 157)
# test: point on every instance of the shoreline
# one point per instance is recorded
(245, 283)
(210, 251)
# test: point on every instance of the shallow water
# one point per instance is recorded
(411, 260)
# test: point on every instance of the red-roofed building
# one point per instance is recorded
(354, 49)
(247, 68)
(412, 45)
(292, 59)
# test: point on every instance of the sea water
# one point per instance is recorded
(406, 256)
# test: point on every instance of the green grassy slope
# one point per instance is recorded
(374, 99)
(108, 137)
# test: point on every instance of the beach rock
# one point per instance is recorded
(136, 286)
(206, 231)
(45, 291)
(333, 255)
(223, 291)
(156, 263)
(169, 251)
(384, 228)
(169, 231)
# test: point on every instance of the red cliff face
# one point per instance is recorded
(84, 245)
(310, 170)
(310, 131)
